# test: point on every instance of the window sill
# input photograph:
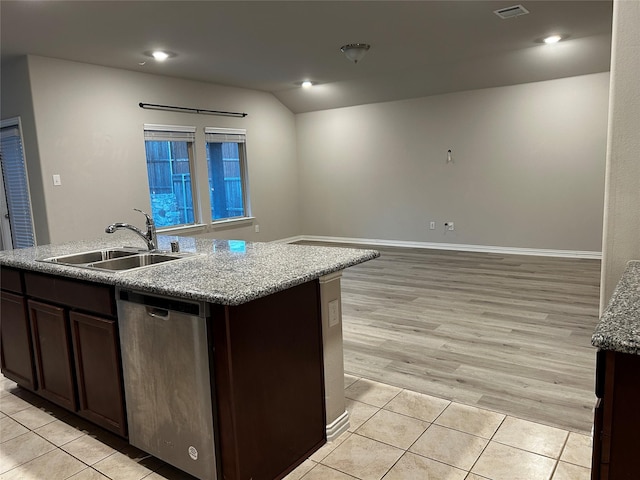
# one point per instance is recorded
(197, 228)
(203, 228)
(231, 223)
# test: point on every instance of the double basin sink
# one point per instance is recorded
(116, 259)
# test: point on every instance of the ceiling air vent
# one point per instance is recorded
(511, 12)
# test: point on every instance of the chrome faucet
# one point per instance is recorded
(150, 237)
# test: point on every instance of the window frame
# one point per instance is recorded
(200, 188)
(177, 133)
(230, 135)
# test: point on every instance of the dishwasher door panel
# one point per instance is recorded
(168, 385)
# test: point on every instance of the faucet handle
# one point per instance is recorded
(149, 219)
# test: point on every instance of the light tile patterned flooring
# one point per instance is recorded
(395, 434)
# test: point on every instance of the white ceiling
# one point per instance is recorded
(418, 48)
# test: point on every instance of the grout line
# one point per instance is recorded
(555, 467)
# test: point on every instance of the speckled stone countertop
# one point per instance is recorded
(228, 272)
(619, 326)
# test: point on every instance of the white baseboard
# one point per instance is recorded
(338, 426)
(297, 238)
(543, 252)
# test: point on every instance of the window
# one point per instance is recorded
(226, 161)
(170, 157)
(17, 217)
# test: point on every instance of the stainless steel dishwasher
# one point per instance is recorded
(167, 380)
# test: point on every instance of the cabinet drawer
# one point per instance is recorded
(72, 293)
(11, 280)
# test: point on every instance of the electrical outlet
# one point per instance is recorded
(432, 225)
(257, 228)
(334, 313)
(57, 181)
(448, 226)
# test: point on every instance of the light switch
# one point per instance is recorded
(57, 180)
(334, 313)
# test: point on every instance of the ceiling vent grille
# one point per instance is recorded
(511, 12)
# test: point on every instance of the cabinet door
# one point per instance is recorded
(98, 371)
(15, 338)
(52, 348)
(269, 383)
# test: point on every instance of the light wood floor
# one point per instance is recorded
(508, 333)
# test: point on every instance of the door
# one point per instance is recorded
(5, 225)
(16, 218)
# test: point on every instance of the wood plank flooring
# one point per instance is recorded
(504, 332)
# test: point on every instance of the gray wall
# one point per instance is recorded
(528, 167)
(16, 101)
(622, 203)
(90, 131)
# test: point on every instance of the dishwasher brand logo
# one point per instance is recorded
(193, 453)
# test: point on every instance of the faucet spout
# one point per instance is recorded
(150, 237)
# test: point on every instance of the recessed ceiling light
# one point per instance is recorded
(306, 84)
(159, 55)
(552, 39)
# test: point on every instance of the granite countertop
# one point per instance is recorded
(228, 272)
(619, 326)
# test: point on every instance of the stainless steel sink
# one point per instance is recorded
(93, 256)
(135, 261)
(116, 259)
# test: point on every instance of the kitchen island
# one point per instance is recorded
(273, 328)
(617, 416)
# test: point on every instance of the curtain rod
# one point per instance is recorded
(169, 108)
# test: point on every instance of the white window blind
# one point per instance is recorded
(169, 133)
(222, 135)
(14, 174)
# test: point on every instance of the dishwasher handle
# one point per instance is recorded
(156, 312)
(160, 307)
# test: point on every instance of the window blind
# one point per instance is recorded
(169, 133)
(16, 184)
(223, 135)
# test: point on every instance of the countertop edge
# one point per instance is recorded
(619, 326)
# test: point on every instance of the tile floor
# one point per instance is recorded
(395, 434)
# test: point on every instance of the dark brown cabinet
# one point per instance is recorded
(269, 383)
(265, 356)
(60, 339)
(617, 417)
(53, 355)
(98, 372)
(15, 339)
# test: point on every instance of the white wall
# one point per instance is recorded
(90, 131)
(528, 167)
(622, 203)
